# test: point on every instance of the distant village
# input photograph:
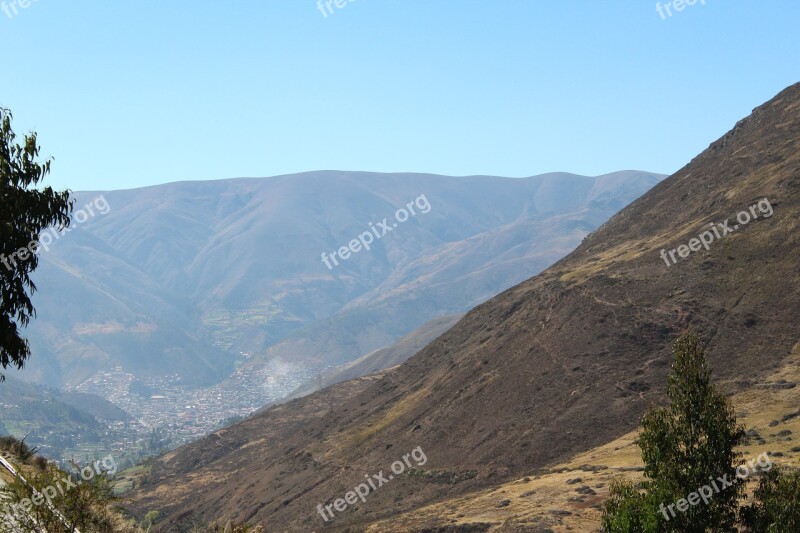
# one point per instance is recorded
(166, 413)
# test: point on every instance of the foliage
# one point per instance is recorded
(46, 502)
(18, 448)
(629, 509)
(776, 503)
(25, 211)
(684, 446)
(149, 520)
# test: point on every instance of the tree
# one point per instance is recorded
(630, 510)
(25, 211)
(776, 503)
(686, 446)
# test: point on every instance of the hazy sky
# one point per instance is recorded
(125, 94)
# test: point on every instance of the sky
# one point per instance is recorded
(129, 94)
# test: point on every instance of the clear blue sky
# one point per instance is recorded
(125, 93)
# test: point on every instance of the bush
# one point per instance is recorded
(149, 520)
(40, 463)
(776, 503)
(18, 448)
(629, 510)
(47, 503)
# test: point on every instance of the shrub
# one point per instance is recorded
(776, 503)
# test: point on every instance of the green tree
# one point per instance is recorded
(25, 211)
(776, 503)
(685, 446)
(629, 509)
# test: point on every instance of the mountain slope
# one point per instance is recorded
(51, 419)
(559, 364)
(567, 496)
(197, 278)
(384, 358)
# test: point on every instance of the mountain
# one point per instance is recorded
(568, 495)
(381, 359)
(54, 420)
(559, 364)
(191, 281)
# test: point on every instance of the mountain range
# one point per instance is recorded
(198, 279)
(550, 369)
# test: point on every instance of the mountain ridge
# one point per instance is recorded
(558, 364)
(238, 269)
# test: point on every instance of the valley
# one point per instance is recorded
(418, 267)
(193, 328)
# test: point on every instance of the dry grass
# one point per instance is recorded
(558, 501)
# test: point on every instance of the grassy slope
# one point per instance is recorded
(556, 366)
(548, 500)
